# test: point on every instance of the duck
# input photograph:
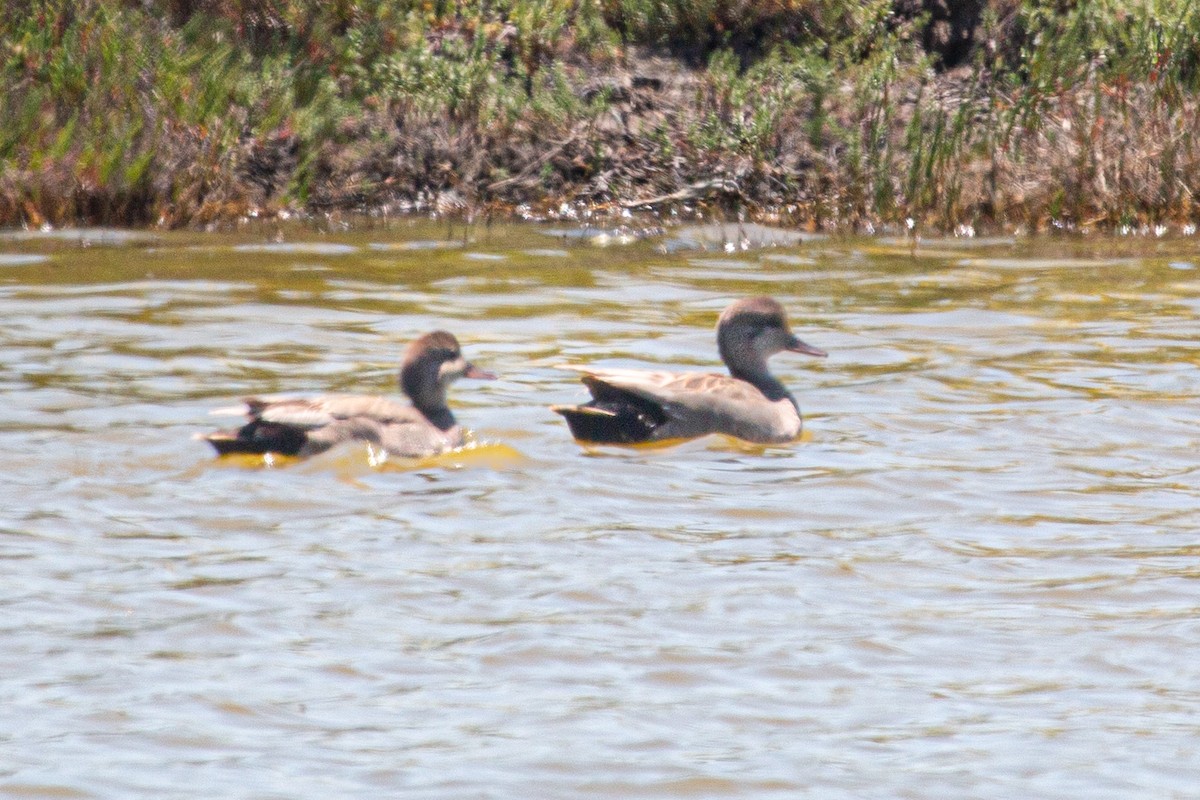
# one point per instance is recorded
(631, 406)
(303, 427)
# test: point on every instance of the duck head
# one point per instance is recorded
(431, 363)
(752, 330)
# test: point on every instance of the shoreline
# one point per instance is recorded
(478, 118)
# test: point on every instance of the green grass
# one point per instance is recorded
(829, 112)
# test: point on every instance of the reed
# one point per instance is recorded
(828, 112)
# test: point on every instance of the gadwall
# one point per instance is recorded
(631, 406)
(303, 427)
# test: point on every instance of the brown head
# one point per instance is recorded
(431, 363)
(752, 330)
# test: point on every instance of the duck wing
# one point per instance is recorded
(684, 405)
(678, 391)
(307, 426)
(317, 412)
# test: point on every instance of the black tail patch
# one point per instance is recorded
(613, 416)
(259, 437)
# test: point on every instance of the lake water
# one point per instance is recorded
(977, 575)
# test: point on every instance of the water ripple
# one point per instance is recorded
(984, 544)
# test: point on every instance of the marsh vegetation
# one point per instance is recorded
(991, 114)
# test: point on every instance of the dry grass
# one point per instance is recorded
(825, 113)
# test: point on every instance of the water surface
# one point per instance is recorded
(976, 576)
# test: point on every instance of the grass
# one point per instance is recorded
(829, 113)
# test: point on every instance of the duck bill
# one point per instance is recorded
(807, 349)
(475, 372)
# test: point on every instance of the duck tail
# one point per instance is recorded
(608, 422)
(257, 437)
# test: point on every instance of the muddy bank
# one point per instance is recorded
(1084, 160)
(987, 116)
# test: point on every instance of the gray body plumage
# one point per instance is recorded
(629, 406)
(304, 427)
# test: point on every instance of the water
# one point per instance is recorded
(976, 576)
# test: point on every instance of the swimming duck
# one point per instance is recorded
(632, 406)
(303, 427)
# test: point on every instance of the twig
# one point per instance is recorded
(695, 190)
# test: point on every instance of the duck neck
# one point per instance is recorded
(747, 364)
(440, 415)
(428, 397)
(764, 381)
